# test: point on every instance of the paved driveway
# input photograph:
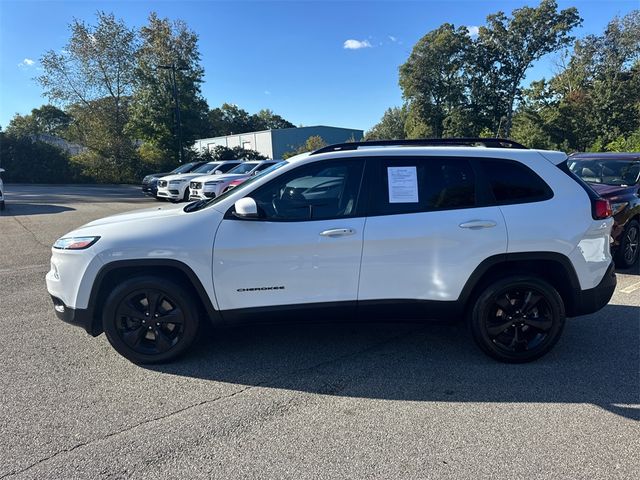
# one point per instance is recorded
(305, 401)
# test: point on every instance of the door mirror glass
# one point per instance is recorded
(246, 208)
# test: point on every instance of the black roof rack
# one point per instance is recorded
(425, 142)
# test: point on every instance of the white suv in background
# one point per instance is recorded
(211, 186)
(176, 187)
(479, 229)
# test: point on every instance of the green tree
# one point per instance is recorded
(153, 111)
(267, 120)
(432, 78)
(28, 161)
(510, 45)
(47, 119)
(391, 126)
(94, 74)
(229, 119)
(312, 143)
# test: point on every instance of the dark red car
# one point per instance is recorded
(616, 177)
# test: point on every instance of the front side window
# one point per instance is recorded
(512, 182)
(412, 185)
(320, 191)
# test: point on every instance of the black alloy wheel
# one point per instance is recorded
(627, 253)
(150, 320)
(518, 319)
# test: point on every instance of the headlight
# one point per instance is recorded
(213, 182)
(618, 207)
(75, 243)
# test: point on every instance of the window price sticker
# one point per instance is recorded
(403, 184)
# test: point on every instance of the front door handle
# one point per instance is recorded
(478, 224)
(337, 232)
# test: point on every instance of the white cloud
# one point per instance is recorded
(356, 44)
(27, 62)
(392, 38)
(267, 92)
(473, 30)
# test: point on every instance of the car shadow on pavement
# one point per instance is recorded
(596, 361)
(22, 209)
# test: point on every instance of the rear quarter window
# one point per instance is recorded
(512, 182)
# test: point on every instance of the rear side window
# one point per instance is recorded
(512, 182)
(411, 185)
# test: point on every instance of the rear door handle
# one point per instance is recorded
(478, 224)
(337, 232)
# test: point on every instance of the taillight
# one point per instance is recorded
(601, 209)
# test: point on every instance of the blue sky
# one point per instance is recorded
(287, 56)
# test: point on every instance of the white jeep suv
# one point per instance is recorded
(176, 187)
(210, 186)
(478, 229)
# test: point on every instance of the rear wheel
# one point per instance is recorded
(150, 319)
(627, 254)
(517, 319)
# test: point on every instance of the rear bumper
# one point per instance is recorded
(593, 299)
(79, 317)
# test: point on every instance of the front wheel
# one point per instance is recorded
(517, 319)
(150, 320)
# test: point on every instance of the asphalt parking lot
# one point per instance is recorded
(305, 401)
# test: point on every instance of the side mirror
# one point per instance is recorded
(218, 172)
(1, 170)
(246, 208)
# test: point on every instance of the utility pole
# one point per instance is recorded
(173, 68)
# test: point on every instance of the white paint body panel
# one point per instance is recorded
(312, 268)
(427, 255)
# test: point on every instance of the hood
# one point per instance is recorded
(181, 176)
(137, 215)
(609, 191)
(222, 177)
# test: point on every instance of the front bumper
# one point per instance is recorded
(172, 194)
(150, 190)
(78, 317)
(201, 194)
(593, 299)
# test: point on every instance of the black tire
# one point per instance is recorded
(185, 197)
(150, 319)
(627, 254)
(517, 319)
(2, 205)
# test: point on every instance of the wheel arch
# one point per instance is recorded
(555, 268)
(113, 272)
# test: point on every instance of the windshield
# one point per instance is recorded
(192, 207)
(184, 168)
(245, 167)
(206, 168)
(609, 172)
